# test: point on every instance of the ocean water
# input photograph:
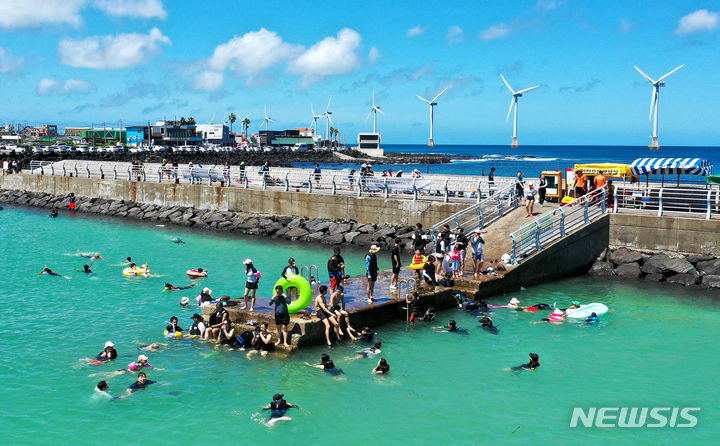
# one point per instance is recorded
(656, 347)
(531, 160)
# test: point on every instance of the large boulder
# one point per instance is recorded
(628, 271)
(654, 277)
(295, 223)
(339, 228)
(601, 269)
(709, 267)
(366, 229)
(334, 239)
(684, 279)
(662, 264)
(622, 256)
(350, 236)
(711, 281)
(296, 233)
(364, 240)
(699, 258)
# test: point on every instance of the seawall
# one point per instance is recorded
(365, 210)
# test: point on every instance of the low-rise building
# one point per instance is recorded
(214, 133)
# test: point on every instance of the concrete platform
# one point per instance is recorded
(388, 307)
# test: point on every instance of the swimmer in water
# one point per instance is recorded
(451, 328)
(173, 326)
(278, 409)
(366, 335)
(54, 214)
(170, 287)
(86, 269)
(47, 271)
(487, 324)
(514, 304)
(108, 354)
(184, 301)
(135, 366)
(370, 351)
(556, 316)
(140, 384)
(326, 365)
(531, 365)
(592, 319)
(575, 304)
(178, 240)
(382, 367)
(128, 261)
(155, 346)
(101, 390)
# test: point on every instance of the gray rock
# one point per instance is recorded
(699, 258)
(320, 226)
(684, 279)
(709, 267)
(386, 231)
(334, 239)
(314, 237)
(249, 223)
(364, 240)
(365, 229)
(295, 233)
(711, 281)
(662, 264)
(603, 256)
(601, 269)
(295, 223)
(216, 216)
(622, 256)
(654, 277)
(339, 228)
(350, 236)
(281, 232)
(628, 271)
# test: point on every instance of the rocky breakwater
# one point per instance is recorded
(318, 230)
(686, 270)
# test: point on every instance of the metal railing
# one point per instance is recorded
(538, 234)
(446, 188)
(482, 213)
(698, 203)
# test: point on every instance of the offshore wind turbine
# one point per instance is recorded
(328, 120)
(267, 120)
(373, 111)
(514, 103)
(314, 118)
(432, 104)
(654, 102)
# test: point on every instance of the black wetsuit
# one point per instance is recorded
(531, 365)
(134, 387)
(383, 368)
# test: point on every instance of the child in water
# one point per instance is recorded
(278, 409)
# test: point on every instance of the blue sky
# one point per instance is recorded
(77, 62)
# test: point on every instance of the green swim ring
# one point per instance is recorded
(303, 286)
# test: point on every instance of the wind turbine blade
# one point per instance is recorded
(507, 85)
(645, 75)
(512, 102)
(378, 109)
(328, 106)
(422, 98)
(439, 94)
(331, 121)
(312, 110)
(527, 89)
(653, 97)
(671, 72)
(368, 116)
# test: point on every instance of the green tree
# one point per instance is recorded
(191, 121)
(182, 120)
(246, 123)
(232, 118)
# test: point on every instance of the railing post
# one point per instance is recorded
(385, 186)
(32, 167)
(87, 170)
(513, 251)
(615, 201)
(264, 180)
(129, 173)
(538, 246)
(76, 170)
(660, 202)
(310, 178)
(586, 210)
(603, 196)
(562, 222)
(192, 177)
(159, 174)
(176, 179)
(334, 185)
(482, 217)
(102, 173)
(447, 193)
(144, 177)
(709, 197)
(478, 194)
(287, 182)
(415, 194)
(52, 172)
(42, 170)
(360, 185)
(65, 171)
(499, 204)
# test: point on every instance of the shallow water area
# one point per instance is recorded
(656, 347)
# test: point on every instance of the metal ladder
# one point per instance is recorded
(309, 270)
(409, 285)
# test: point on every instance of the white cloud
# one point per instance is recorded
(700, 20)
(330, 56)
(496, 31)
(626, 26)
(209, 81)
(111, 52)
(455, 34)
(133, 8)
(547, 5)
(415, 31)
(8, 62)
(373, 55)
(48, 86)
(16, 14)
(251, 53)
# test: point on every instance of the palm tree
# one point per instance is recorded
(246, 123)
(232, 118)
(332, 132)
(191, 121)
(182, 120)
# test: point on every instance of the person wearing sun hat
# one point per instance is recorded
(514, 303)
(251, 286)
(371, 271)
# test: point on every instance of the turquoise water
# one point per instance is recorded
(657, 347)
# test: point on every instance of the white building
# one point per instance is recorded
(369, 143)
(214, 133)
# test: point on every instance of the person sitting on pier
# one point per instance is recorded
(429, 272)
(326, 364)
(198, 327)
(216, 320)
(382, 367)
(262, 340)
(226, 335)
(278, 409)
(170, 287)
(337, 306)
(325, 315)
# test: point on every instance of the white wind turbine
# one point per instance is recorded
(373, 111)
(314, 118)
(654, 102)
(514, 103)
(267, 120)
(432, 105)
(328, 120)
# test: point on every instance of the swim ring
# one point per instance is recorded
(129, 272)
(176, 335)
(302, 285)
(196, 273)
(567, 200)
(419, 265)
(586, 310)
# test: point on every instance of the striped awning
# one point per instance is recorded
(671, 166)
